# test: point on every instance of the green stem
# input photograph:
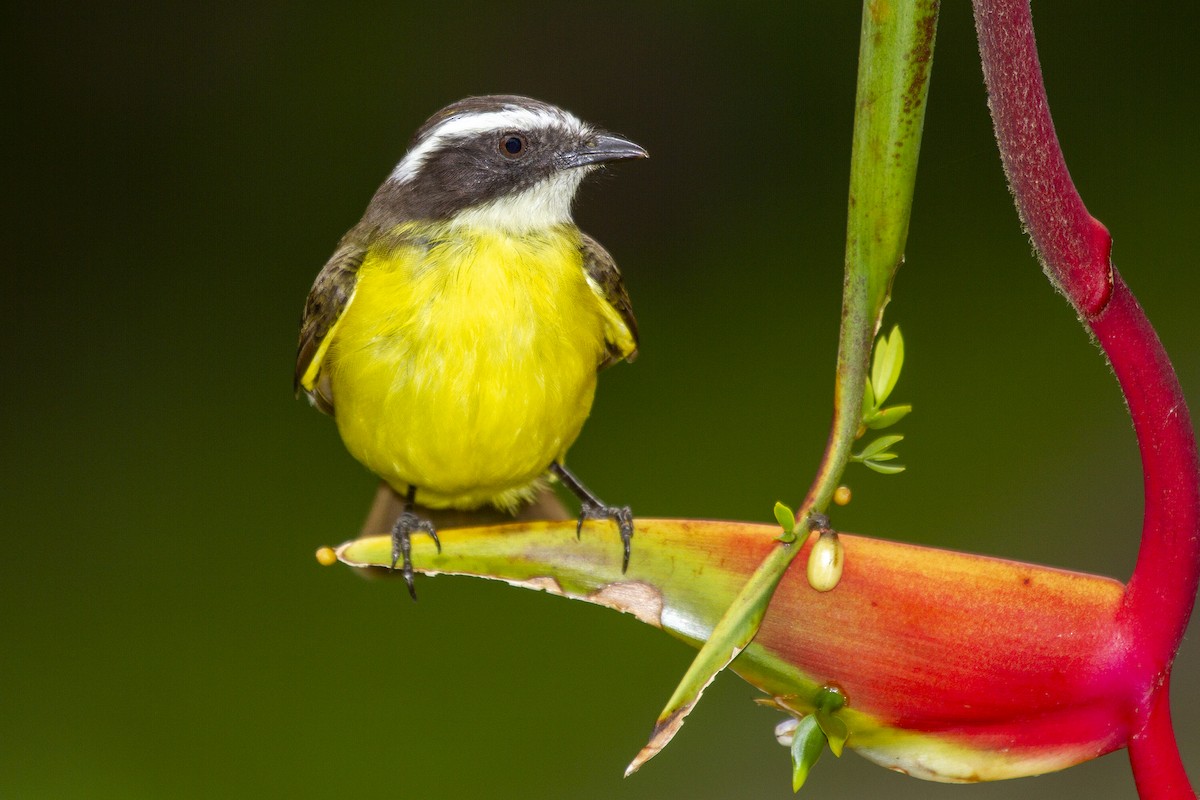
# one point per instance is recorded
(895, 57)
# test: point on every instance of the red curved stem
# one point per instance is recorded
(1075, 251)
(1160, 594)
(1157, 769)
(1074, 246)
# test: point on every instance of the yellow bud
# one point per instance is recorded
(825, 562)
(326, 556)
(841, 495)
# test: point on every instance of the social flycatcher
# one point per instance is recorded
(456, 332)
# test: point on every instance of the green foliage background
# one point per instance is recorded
(177, 175)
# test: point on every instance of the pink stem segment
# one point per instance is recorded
(1075, 251)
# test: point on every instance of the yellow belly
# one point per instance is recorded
(466, 368)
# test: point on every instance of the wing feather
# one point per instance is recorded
(331, 295)
(605, 280)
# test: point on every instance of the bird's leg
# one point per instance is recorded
(592, 507)
(408, 524)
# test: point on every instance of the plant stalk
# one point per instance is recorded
(1075, 248)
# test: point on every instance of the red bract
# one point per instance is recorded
(956, 667)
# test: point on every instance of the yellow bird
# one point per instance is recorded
(456, 332)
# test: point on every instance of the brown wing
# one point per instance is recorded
(330, 296)
(606, 281)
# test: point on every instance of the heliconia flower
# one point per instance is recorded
(954, 667)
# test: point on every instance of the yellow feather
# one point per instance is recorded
(467, 367)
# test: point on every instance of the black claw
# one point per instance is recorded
(408, 524)
(618, 514)
(625, 524)
(407, 572)
(591, 507)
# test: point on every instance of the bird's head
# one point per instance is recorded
(499, 161)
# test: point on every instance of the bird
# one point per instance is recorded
(456, 333)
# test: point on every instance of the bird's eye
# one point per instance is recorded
(512, 145)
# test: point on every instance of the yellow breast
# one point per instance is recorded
(466, 366)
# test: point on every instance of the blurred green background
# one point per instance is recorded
(177, 175)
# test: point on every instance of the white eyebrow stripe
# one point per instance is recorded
(512, 117)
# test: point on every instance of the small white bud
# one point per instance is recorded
(825, 562)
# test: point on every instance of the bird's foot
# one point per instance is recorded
(408, 524)
(618, 514)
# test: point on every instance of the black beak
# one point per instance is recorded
(600, 148)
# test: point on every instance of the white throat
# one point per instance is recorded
(543, 205)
